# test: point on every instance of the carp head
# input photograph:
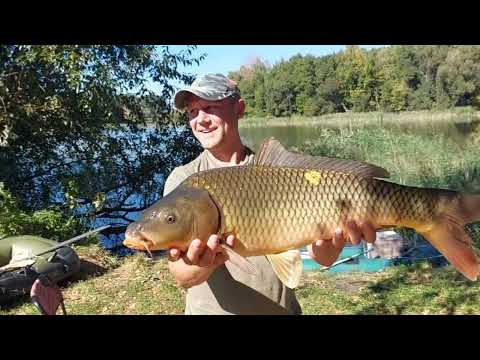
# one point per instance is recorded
(185, 214)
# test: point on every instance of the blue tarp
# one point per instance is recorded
(364, 264)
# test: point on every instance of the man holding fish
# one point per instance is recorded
(214, 107)
(233, 221)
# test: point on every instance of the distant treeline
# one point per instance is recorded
(393, 78)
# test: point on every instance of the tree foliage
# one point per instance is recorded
(80, 129)
(50, 223)
(394, 78)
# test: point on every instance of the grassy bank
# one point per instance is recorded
(134, 285)
(418, 289)
(412, 159)
(351, 119)
(108, 285)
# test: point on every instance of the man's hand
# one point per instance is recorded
(326, 251)
(195, 265)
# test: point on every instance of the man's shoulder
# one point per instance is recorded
(200, 163)
(193, 166)
(182, 172)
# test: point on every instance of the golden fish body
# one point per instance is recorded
(274, 209)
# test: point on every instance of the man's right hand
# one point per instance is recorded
(195, 265)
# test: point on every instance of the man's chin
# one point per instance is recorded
(210, 144)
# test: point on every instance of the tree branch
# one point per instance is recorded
(115, 230)
(128, 210)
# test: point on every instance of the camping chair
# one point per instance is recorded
(47, 296)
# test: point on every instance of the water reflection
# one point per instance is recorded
(296, 135)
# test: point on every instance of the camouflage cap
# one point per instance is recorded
(210, 87)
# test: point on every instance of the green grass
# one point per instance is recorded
(134, 285)
(108, 285)
(351, 119)
(412, 159)
(418, 289)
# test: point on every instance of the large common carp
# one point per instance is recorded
(284, 201)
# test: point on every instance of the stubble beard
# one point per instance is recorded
(211, 142)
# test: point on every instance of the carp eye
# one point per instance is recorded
(171, 219)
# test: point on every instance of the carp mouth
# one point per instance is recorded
(139, 243)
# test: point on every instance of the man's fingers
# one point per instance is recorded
(173, 254)
(206, 259)
(195, 250)
(338, 239)
(219, 259)
(230, 240)
(322, 243)
(353, 232)
(369, 233)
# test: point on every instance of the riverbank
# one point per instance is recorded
(111, 285)
(135, 286)
(351, 119)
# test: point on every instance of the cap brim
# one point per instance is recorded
(179, 98)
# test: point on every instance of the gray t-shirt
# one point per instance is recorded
(230, 290)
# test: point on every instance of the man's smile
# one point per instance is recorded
(206, 131)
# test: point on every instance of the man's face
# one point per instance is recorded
(212, 122)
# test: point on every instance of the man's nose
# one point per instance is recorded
(202, 117)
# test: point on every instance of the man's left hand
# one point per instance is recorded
(326, 251)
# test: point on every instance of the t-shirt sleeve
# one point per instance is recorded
(174, 179)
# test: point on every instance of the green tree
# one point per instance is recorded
(250, 79)
(304, 81)
(458, 77)
(280, 96)
(74, 126)
(394, 78)
(394, 73)
(356, 74)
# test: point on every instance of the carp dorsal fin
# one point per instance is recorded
(287, 266)
(272, 153)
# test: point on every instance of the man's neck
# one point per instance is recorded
(232, 155)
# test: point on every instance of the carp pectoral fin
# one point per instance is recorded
(239, 260)
(287, 266)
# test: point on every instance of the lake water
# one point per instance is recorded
(296, 135)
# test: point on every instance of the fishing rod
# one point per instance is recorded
(72, 240)
(346, 259)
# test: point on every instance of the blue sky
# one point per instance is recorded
(226, 58)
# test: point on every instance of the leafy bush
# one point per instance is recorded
(49, 223)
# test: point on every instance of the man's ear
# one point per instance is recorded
(240, 108)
